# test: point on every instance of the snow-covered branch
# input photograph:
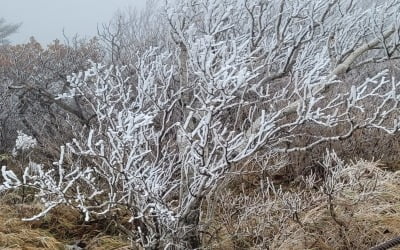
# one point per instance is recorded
(234, 79)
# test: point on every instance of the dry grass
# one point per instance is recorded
(366, 221)
(242, 217)
(248, 221)
(16, 234)
(108, 242)
(62, 227)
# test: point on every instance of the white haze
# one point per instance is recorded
(46, 19)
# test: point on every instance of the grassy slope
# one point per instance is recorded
(361, 220)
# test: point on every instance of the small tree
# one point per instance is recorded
(239, 78)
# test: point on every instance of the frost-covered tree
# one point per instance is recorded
(131, 31)
(234, 80)
(31, 76)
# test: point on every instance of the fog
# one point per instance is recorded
(46, 19)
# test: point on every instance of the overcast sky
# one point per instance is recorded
(45, 19)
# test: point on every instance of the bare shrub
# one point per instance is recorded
(234, 82)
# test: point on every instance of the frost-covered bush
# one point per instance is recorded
(235, 79)
(24, 143)
(30, 77)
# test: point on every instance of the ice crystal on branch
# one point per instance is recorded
(24, 143)
(231, 81)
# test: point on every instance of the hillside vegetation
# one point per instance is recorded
(206, 124)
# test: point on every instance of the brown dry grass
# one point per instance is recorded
(367, 221)
(16, 234)
(245, 222)
(241, 217)
(62, 227)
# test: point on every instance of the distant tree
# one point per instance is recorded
(6, 30)
(132, 31)
(30, 76)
